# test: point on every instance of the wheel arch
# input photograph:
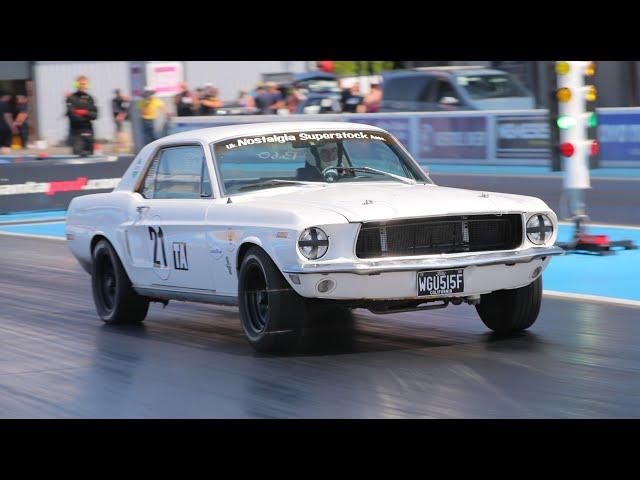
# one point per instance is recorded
(245, 246)
(103, 236)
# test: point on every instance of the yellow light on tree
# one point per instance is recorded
(563, 94)
(562, 68)
(591, 94)
(590, 69)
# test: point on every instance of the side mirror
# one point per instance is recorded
(449, 101)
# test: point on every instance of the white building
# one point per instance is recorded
(48, 81)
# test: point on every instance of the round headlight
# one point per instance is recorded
(313, 243)
(539, 229)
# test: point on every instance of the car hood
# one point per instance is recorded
(385, 200)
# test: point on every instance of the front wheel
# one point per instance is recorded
(508, 311)
(272, 314)
(113, 294)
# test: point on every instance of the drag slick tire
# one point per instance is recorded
(115, 299)
(272, 314)
(509, 311)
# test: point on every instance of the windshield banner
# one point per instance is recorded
(311, 137)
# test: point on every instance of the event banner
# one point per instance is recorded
(619, 136)
(522, 136)
(491, 137)
(51, 184)
(452, 138)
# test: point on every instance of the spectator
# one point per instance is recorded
(263, 99)
(277, 99)
(120, 106)
(209, 102)
(82, 111)
(245, 100)
(373, 98)
(149, 107)
(196, 101)
(351, 99)
(7, 128)
(22, 119)
(185, 102)
(294, 97)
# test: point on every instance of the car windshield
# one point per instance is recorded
(481, 87)
(299, 158)
(315, 85)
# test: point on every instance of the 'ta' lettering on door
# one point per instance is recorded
(180, 261)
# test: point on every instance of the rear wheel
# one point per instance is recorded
(508, 311)
(116, 301)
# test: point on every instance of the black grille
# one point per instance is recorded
(435, 235)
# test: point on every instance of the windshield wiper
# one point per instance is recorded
(373, 170)
(274, 182)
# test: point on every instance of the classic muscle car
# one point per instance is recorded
(299, 222)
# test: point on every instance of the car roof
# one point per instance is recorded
(443, 71)
(214, 134)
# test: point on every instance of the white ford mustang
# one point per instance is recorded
(296, 223)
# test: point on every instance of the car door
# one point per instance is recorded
(167, 237)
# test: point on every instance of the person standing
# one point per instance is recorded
(120, 106)
(149, 107)
(245, 100)
(277, 99)
(22, 119)
(209, 103)
(373, 99)
(263, 99)
(7, 127)
(82, 111)
(184, 102)
(351, 99)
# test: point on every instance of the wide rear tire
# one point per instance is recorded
(116, 301)
(509, 311)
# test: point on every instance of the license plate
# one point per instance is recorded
(441, 282)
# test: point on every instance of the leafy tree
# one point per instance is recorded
(362, 67)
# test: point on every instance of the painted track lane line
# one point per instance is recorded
(31, 235)
(592, 298)
(548, 177)
(602, 225)
(33, 222)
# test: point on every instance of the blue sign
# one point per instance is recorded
(619, 136)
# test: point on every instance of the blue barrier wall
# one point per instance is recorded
(505, 137)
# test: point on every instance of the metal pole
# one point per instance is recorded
(576, 166)
(137, 80)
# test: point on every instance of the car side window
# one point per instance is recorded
(408, 88)
(445, 89)
(177, 172)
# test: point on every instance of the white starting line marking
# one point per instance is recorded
(592, 298)
(33, 235)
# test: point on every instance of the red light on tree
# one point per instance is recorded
(594, 149)
(326, 66)
(567, 149)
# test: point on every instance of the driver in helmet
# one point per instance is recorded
(317, 159)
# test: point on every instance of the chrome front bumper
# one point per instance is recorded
(366, 267)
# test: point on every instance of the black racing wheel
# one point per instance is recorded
(116, 301)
